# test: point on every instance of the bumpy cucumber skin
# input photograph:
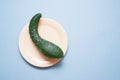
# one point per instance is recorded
(48, 48)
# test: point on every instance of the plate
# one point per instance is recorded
(49, 30)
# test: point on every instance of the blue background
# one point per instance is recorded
(93, 28)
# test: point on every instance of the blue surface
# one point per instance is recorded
(93, 28)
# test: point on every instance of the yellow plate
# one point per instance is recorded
(49, 30)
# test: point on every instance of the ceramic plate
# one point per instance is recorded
(49, 30)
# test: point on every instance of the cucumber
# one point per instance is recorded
(49, 49)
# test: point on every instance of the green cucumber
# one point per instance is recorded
(49, 49)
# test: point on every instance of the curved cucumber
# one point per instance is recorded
(48, 48)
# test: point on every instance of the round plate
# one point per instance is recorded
(49, 30)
